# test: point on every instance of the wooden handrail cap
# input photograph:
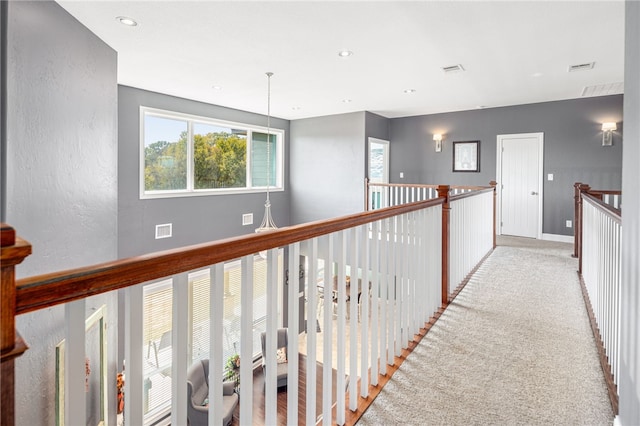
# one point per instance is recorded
(7, 235)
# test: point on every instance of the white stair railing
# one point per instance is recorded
(601, 242)
(471, 233)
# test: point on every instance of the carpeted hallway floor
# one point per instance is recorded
(515, 347)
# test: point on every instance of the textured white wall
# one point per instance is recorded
(62, 175)
(629, 383)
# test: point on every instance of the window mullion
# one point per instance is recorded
(249, 158)
(190, 157)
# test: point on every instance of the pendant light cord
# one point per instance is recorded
(269, 74)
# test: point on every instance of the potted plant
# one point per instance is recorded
(232, 370)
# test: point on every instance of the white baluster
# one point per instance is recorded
(246, 339)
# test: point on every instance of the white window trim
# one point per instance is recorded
(190, 191)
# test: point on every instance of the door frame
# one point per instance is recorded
(499, 146)
(386, 157)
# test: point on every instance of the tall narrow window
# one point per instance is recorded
(259, 160)
(157, 317)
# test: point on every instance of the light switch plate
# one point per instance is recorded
(550, 176)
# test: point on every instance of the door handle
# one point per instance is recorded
(534, 193)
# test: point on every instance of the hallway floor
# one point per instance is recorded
(515, 347)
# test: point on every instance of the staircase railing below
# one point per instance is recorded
(598, 247)
(402, 257)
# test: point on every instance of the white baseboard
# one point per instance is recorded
(616, 421)
(558, 238)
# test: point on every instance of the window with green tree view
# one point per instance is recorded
(189, 155)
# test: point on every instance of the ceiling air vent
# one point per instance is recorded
(452, 68)
(603, 89)
(163, 231)
(582, 67)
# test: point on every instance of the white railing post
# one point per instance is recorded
(341, 256)
(74, 363)
(133, 394)
(180, 319)
(327, 354)
(246, 339)
(376, 236)
(365, 243)
(216, 315)
(312, 290)
(293, 324)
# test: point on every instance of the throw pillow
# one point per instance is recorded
(281, 355)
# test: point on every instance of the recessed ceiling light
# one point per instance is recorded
(409, 90)
(126, 21)
(345, 53)
(216, 87)
(295, 108)
(346, 101)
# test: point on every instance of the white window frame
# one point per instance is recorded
(190, 191)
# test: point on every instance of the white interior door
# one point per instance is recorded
(520, 183)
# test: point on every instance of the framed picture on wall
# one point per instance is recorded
(466, 156)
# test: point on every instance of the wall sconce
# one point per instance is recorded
(607, 133)
(438, 139)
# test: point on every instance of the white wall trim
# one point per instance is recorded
(559, 238)
(499, 139)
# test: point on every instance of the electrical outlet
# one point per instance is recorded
(401, 175)
(247, 219)
(568, 224)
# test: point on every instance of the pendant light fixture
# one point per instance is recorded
(267, 221)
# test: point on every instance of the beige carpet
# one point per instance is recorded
(515, 347)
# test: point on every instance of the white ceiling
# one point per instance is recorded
(513, 52)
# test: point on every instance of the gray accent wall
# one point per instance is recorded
(629, 380)
(573, 150)
(327, 166)
(196, 219)
(61, 176)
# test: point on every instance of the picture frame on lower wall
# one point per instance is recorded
(466, 156)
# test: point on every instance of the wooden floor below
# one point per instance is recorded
(259, 396)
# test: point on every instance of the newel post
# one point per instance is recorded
(366, 194)
(576, 223)
(13, 251)
(494, 185)
(443, 191)
(582, 188)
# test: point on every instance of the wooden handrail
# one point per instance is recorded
(48, 290)
(421, 185)
(480, 190)
(610, 211)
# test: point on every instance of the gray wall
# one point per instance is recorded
(572, 148)
(327, 166)
(61, 175)
(629, 380)
(195, 219)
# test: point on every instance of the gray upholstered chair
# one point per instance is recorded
(198, 396)
(282, 342)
